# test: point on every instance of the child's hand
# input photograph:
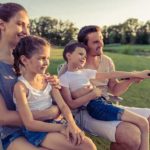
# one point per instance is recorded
(97, 92)
(75, 135)
(63, 131)
(142, 74)
(53, 80)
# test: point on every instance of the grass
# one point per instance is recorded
(137, 95)
(128, 49)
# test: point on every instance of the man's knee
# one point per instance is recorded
(128, 134)
(134, 138)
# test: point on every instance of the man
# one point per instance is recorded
(123, 135)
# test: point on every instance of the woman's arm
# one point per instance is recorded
(50, 113)
(12, 118)
(8, 117)
(25, 113)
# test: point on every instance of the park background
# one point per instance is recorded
(125, 26)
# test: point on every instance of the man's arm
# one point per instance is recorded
(117, 87)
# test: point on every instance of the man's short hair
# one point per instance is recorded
(84, 31)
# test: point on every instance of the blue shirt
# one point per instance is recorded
(7, 82)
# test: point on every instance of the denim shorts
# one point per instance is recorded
(35, 138)
(100, 109)
(10, 138)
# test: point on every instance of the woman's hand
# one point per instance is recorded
(50, 113)
(53, 79)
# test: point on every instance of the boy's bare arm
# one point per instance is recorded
(77, 102)
(82, 91)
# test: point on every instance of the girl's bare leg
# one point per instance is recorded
(22, 144)
(58, 141)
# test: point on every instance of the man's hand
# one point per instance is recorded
(145, 74)
(134, 79)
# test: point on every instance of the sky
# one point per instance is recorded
(86, 12)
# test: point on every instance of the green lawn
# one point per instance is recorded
(137, 95)
(128, 49)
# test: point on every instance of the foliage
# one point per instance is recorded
(56, 31)
(59, 32)
(132, 31)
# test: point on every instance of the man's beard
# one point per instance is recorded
(99, 51)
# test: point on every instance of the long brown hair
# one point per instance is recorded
(27, 46)
(8, 10)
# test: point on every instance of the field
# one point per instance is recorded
(128, 49)
(137, 95)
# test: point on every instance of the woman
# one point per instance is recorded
(14, 24)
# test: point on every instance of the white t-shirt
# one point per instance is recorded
(77, 79)
(105, 65)
(37, 99)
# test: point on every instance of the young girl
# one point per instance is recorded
(75, 78)
(33, 92)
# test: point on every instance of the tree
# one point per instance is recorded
(130, 32)
(56, 31)
(143, 34)
(129, 29)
